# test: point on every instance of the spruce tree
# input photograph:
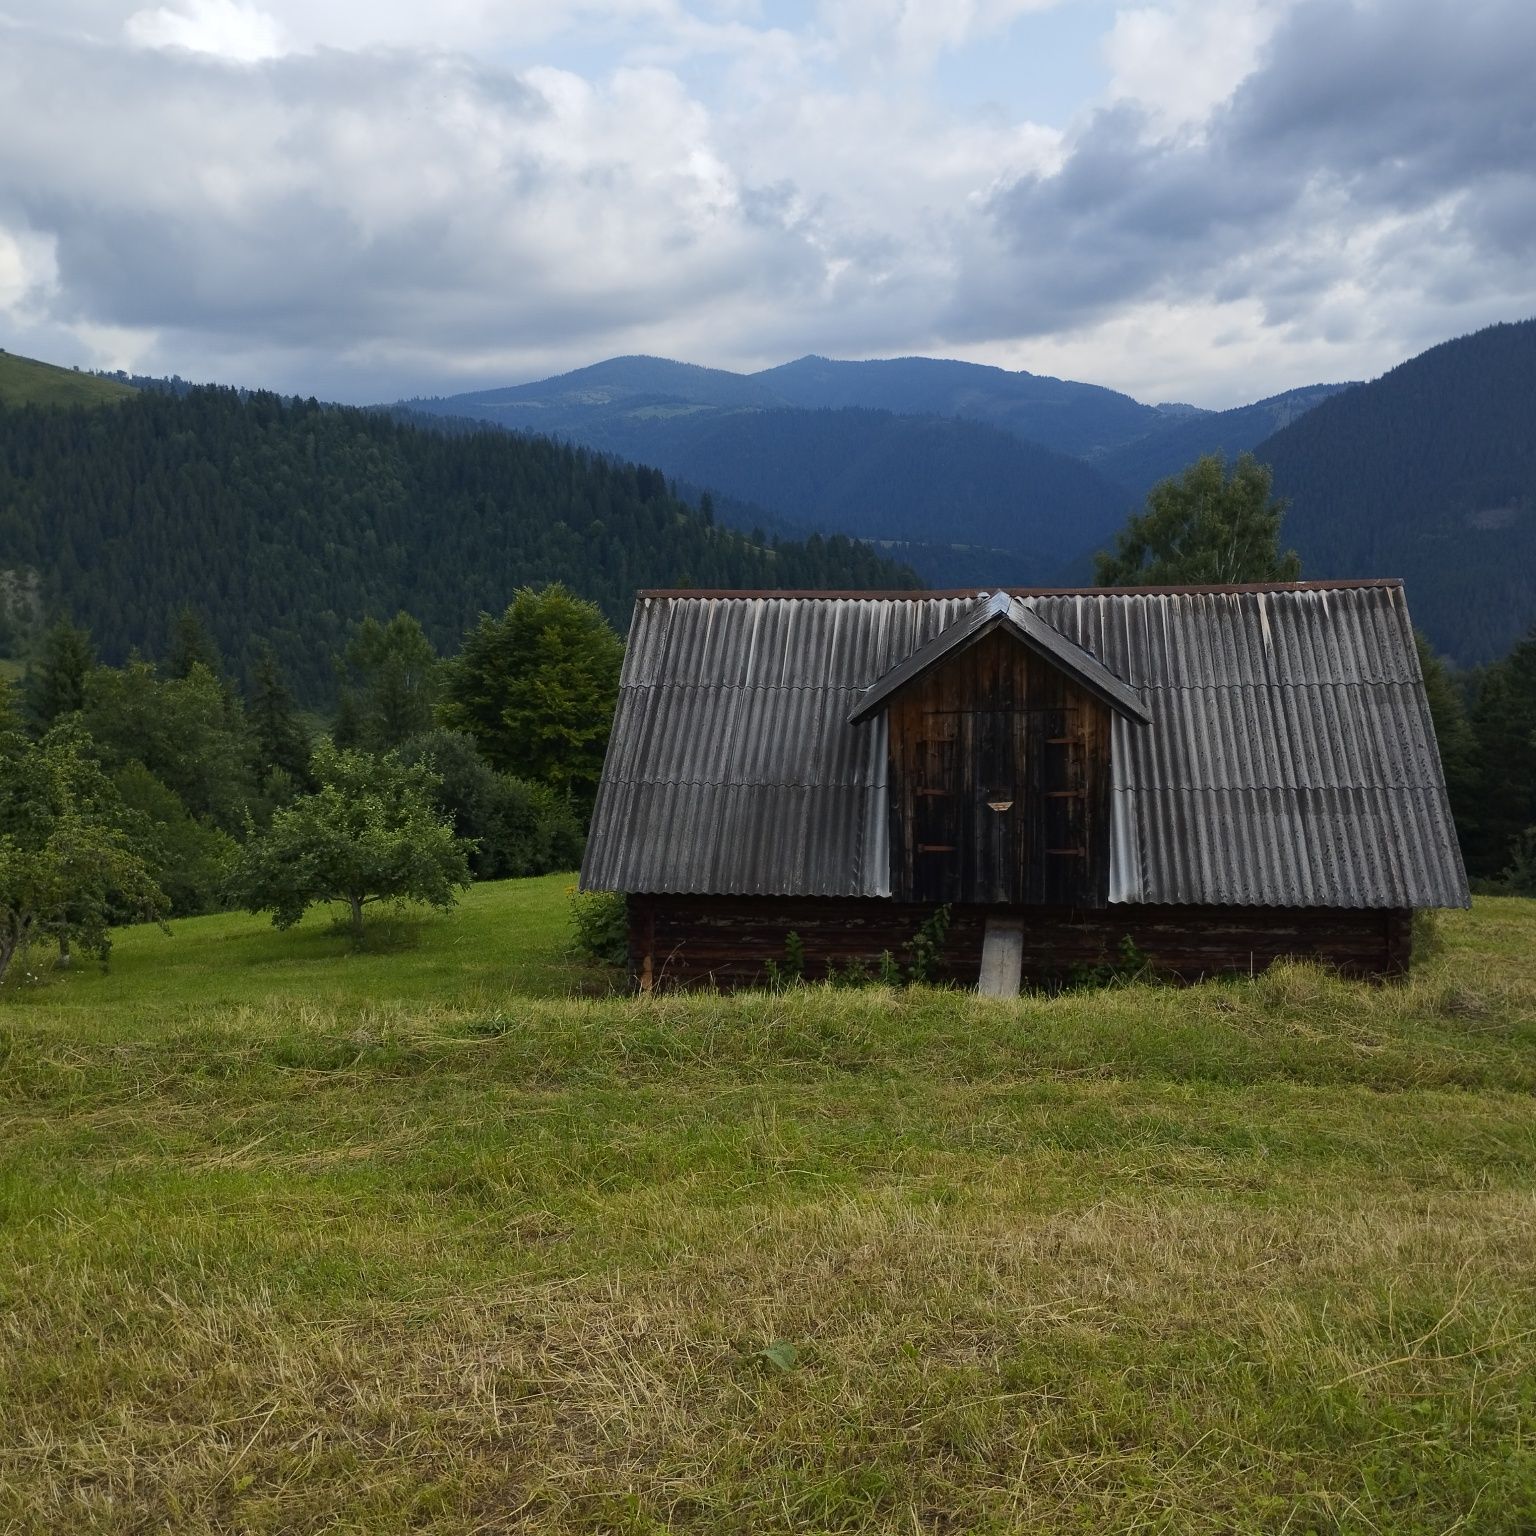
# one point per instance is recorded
(278, 737)
(191, 646)
(55, 683)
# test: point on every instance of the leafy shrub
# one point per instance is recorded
(1130, 964)
(854, 974)
(792, 972)
(518, 828)
(561, 834)
(601, 921)
(188, 859)
(926, 946)
(1519, 878)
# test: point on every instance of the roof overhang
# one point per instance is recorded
(1019, 622)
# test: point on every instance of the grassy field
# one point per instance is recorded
(438, 1238)
(24, 381)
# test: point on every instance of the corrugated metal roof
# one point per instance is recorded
(1290, 759)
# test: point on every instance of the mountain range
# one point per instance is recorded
(976, 475)
(971, 476)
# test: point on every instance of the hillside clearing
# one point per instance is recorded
(25, 381)
(297, 1240)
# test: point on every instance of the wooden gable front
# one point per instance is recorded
(999, 782)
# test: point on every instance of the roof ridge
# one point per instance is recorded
(908, 594)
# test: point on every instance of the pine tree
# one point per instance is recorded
(278, 736)
(1504, 718)
(1457, 743)
(191, 645)
(55, 683)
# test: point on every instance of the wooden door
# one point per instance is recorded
(996, 813)
(938, 811)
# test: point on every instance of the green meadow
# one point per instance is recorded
(25, 381)
(450, 1235)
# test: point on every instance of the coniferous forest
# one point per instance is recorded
(285, 523)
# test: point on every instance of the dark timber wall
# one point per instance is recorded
(1000, 780)
(728, 940)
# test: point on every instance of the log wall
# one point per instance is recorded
(728, 940)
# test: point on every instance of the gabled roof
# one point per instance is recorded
(1011, 615)
(1290, 760)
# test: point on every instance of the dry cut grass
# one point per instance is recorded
(1258, 1257)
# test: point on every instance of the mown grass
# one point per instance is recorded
(426, 1239)
(25, 381)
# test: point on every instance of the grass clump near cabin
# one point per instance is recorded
(25, 381)
(422, 1238)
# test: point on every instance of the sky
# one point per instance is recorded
(1197, 200)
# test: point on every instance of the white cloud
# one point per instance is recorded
(1181, 58)
(912, 34)
(228, 29)
(28, 269)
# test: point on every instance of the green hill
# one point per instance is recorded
(25, 381)
(291, 520)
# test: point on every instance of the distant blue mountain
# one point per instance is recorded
(977, 466)
(1139, 465)
(972, 470)
(1076, 419)
(960, 496)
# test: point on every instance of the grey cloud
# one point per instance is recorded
(335, 200)
(1357, 111)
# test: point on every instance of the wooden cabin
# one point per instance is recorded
(1221, 776)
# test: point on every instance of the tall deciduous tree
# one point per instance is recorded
(66, 863)
(188, 731)
(517, 827)
(369, 833)
(536, 689)
(1205, 526)
(397, 673)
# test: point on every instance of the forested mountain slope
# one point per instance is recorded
(290, 521)
(881, 476)
(1173, 448)
(1428, 473)
(955, 494)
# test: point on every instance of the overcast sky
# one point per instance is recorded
(1203, 200)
